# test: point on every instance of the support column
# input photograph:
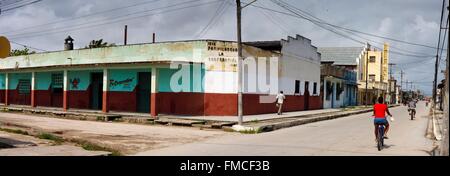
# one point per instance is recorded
(105, 107)
(154, 92)
(33, 86)
(6, 88)
(65, 91)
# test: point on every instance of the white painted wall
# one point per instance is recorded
(299, 61)
(333, 102)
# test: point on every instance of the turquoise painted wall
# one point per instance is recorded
(43, 80)
(165, 74)
(80, 80)
(124, 80)
(14, 79)
(2, 81)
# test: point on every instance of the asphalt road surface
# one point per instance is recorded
(351, 135)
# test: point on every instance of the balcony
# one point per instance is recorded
(374, 85)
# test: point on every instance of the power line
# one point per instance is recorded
(10, 4)
(23, 5)
(443, 40)
(101, 20)
(324, 22)
(436, 67)
(114, 21)
(217, 15)
(347, 29)
(275, 20)
(26, 46)
(319, 22)
(78, 17)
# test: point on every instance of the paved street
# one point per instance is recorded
(351, 135)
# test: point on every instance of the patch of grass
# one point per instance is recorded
(254, 121)
(16, 131)
(48, 136)
(94, 147)
(251, 131)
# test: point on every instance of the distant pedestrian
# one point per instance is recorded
(280, 99)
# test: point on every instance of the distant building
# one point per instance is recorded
(137, 78)
(354, 58)
(338, 86)
(391, 96)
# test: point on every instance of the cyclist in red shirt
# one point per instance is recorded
(379, 112)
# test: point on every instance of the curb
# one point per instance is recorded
(301, 121)
(305, 120)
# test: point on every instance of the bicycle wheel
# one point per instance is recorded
(380, 137)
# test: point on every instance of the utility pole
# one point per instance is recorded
(239, 62)
(125, 35)
(401, 85)
(391, 94)
(367, 75)
(444, 145)
(406, 88)
(436, 65)
(240, 58)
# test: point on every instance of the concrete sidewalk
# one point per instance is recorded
(259, 117)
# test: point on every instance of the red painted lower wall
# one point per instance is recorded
(48, 99)
(43, 98)
(181, 103)
(220, 104)
(122, 101)
(315, 102)
(2, 96)
(78, 99)
(18, 99)
(252, 106)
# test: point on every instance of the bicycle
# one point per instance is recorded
(380, 137)
(412, 113)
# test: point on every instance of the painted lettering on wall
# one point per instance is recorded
(124, 83)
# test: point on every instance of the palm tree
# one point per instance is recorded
(99, 44)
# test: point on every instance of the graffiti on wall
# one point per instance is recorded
(126, 83)
(74, 83)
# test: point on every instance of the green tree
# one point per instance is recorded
(20, 52)
(99, 44)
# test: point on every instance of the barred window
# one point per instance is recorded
(57, 82)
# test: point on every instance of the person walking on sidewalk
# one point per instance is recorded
(280, 99)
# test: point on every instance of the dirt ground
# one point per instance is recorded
(126, 138)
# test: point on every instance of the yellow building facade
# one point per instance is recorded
(375, 66)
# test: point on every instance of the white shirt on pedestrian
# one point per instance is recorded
(280, 98)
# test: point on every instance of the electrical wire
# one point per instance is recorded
(97, 24)
(79, 17)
